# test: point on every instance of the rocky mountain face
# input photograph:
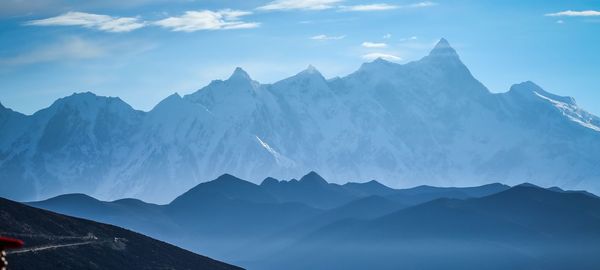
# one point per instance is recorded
(425, 122)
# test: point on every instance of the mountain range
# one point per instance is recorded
(313, 224)
(425, 122)
(219, 217)
(525, 227)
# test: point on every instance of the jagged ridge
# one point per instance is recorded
(425, 122)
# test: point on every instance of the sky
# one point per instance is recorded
(144, 50)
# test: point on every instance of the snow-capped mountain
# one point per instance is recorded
(425, 122)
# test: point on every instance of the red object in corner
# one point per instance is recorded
(9, 243)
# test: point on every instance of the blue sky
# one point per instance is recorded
(144, 50)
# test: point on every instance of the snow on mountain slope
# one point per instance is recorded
(12, 126)
(67, 146)
(425, 122)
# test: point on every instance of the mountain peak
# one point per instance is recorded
(89, 100)
(227, 178)
(269, 181)
(530, 89)
(374, 183)
(174, 96)
(72, 197)
(84, 94)
(79, 96)
(380, 60)
(225, 186)
(170, 101)
(240, 74)
(87, 97)
(443, 49)
(311, 70)
(313, 177)
(307, 79)
(378, 66)
(527, 185)
(443, 42)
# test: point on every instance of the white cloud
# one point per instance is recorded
(422, 4)
(326, 37)
(192, 21)
(385, 56)
(367, 44)
(572, 13)
(78, 49)
(387, 36)
(409, 38)
(300, 4)
(369, 7)
(21, 8)
(560, 21)
(384, 6)
(72, 48)
(89, 20)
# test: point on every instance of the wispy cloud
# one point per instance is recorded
(80, 50)
(385, 56)
(94, 21)
(192, 21)
(369, 7)
(22, 8)
(384, 6)
(300, 4)
(72, 48)
(387, 36)
(409, 38)
(572, 13)
(422, 4)
(326, 37)
(367, 44)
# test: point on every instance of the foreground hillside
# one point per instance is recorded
(312, 224)
(424, 122)
(54, 241)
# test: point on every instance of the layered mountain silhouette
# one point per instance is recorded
(54, 241)
(425, 122)
(280, 223)
(525, 227)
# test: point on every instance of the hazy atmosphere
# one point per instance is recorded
(299, 134)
